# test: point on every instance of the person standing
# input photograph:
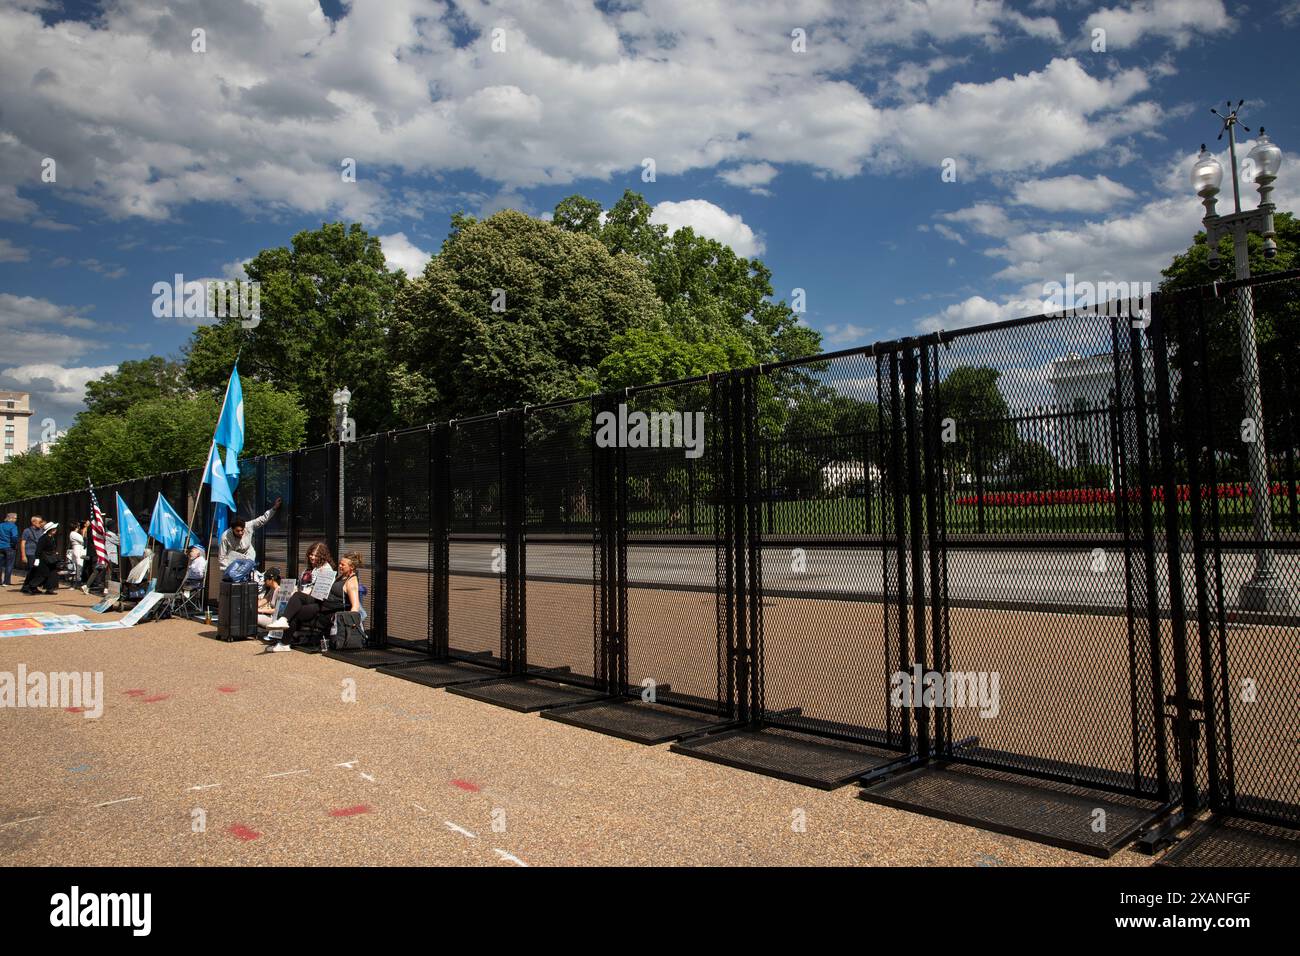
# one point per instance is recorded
(77, 551)
(44, 574)
(8, 547)
(27, 546)
(237, 540)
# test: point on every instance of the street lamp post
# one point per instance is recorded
(1265, 590)
(346, 431)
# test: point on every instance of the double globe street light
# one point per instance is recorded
(1265, 591)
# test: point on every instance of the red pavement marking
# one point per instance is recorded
(465, 785)
(350, 811)
(75, 710)
(154, 699)
(135, 692)
(227, 690)
(239, 831)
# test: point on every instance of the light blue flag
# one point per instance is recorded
(169, 528)
(220, 518)
(230, 426)
(131, 536)
(215, 475)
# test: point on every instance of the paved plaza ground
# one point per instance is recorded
(280, 769)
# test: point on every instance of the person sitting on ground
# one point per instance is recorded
(270, 596)
(237, 540)
(302, 607)
(45, 565)
(344, 594)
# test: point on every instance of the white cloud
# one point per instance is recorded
(1179, 21)
(988, 219)
(11, 253)
(978, 310)
(401, 253)
(751, 176)
(1026, 122)
(141, 125)
(13, 206)
(845, 335)
(710, 221)
(1071, 193)
(58, 392)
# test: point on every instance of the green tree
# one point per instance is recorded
(512, 310)
(1277, 328)
(971, 398)
(153, 436)
(135, 381)
(706, 289)
(326, 302)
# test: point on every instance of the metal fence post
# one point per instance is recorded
(379, 538)
(915, 523)
(439, 548)
(291, 520)
(1174, 559)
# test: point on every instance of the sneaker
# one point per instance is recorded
(84, 590)
(279, 624)
(277, 647)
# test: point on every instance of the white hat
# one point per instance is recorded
(49, 527)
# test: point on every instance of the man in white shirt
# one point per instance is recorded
(237, 540)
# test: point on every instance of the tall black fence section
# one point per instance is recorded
(1040, 576)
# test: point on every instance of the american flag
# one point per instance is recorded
(97, 535)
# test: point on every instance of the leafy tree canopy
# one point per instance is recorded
(135, 381)
(512, 310)
(326, 301)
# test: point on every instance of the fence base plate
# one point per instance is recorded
(635, 720)
(376, 656)
(438, 673)
(525, 694)
(1227, 841)
(1057, 815)
(799, 758)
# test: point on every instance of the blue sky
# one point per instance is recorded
(824, 162)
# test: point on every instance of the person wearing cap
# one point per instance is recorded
(45, 565)
(8, 547)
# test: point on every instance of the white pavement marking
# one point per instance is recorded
(110, 803)
(350, 764)
(509, 857)
(420, 808)
(460, 829)
(287, 773)
(23, 820)
(205, 786)
(366, 776)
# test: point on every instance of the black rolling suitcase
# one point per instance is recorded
(237, 612)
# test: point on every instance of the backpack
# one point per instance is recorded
(239, 570)
(348, 634)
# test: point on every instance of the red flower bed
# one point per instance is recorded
(1103, 496)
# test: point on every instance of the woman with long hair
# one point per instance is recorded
(302, 607)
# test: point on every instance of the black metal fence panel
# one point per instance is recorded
(1051, 667)
(678, 613)
(476, 539)
(832, 485)
(356, 483)
(561, 582)
(1066, 546)
(277, 471)
(409, 536)
(1236, 617)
